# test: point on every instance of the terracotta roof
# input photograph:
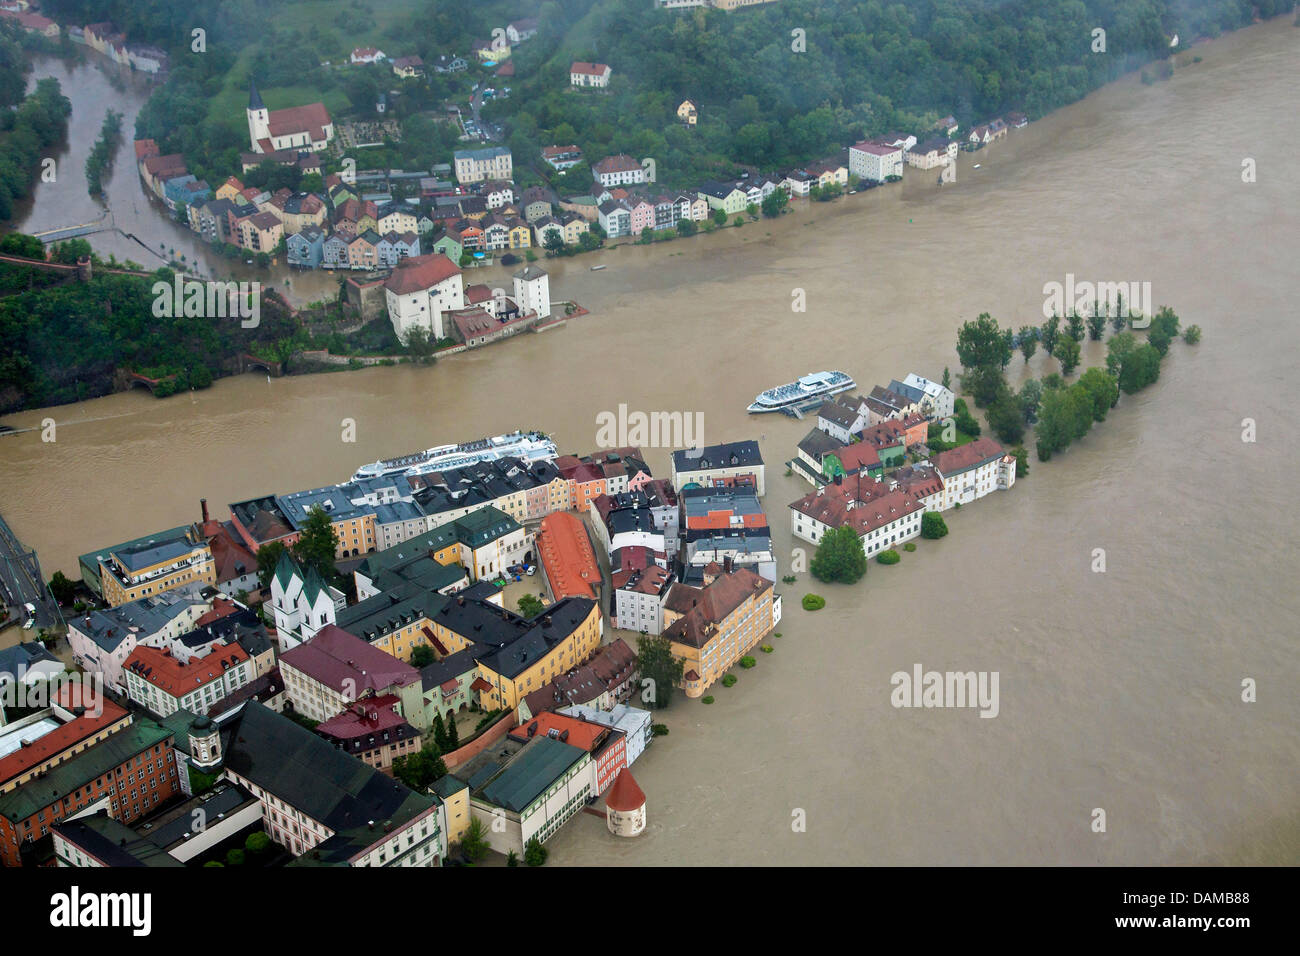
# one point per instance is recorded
(370, 716)
(622, 163)
(567, 556)
(591, 69)
(61, 738)
(310, 119)
(581, 734)
(624, 795)
(171, 676)
(965, 457)
(421, 272)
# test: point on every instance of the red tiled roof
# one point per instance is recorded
(713, 604)
(61, 738)
(310, 119)
(177, 679)
(145, 148)
(591, 69)
(624, 795)
(581, 733)
(567, 556)
(421, 272)
(968, 456)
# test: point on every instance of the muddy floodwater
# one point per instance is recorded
(1119, 691)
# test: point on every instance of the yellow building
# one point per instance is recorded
(713, 627)
(687, 113)
(146, 567)
(565, 635)
(521, 236)
(574, 228)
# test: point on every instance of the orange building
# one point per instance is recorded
(567, 558)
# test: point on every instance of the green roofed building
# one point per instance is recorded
(535, 789)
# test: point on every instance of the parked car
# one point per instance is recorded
(532, 569)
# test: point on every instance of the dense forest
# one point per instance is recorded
(29, 125)
(768, 97)
(62, 339)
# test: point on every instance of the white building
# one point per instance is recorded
(537, 791)
(301, 602)
(620, 170)
(875, 161)
(165, 682)
(936, 401)
(299, 127)
(589, 74)
(533, 291)
(101, 641)
(974, 470)
(420, 290)
(882, 521)
(728, 460)
(477, 165)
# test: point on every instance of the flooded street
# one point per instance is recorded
(1119, 690)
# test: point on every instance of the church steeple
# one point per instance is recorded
(254, 98)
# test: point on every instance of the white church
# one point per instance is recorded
(301, 602)
(299, 127)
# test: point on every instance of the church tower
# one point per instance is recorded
(259, 121)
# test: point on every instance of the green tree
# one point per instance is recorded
(422, 656)
(1193, 333)
(983, 384)
(1159, 339)
(419, 770)
(1096, 323)
(439, 733)
(554, 241)
(1051, 334)
(1074, 326)
(512, 858)
(268, 556)
(687, 227)
(1031, 395)
(839, 557)
(1102, 390)
(257, 843)
(774, 203)
(981, 343)
(1006, 417)
(235, 857)
(1117, 349)
(474, 843)
(1141, 368)
(1028, 341)
(453, 735)
(63, 590)
(1068, 354)
(659, 666)
(720, 217)
(534, 853)
(933, 525)
(946, 382)
(530, 606)
(317, 544)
